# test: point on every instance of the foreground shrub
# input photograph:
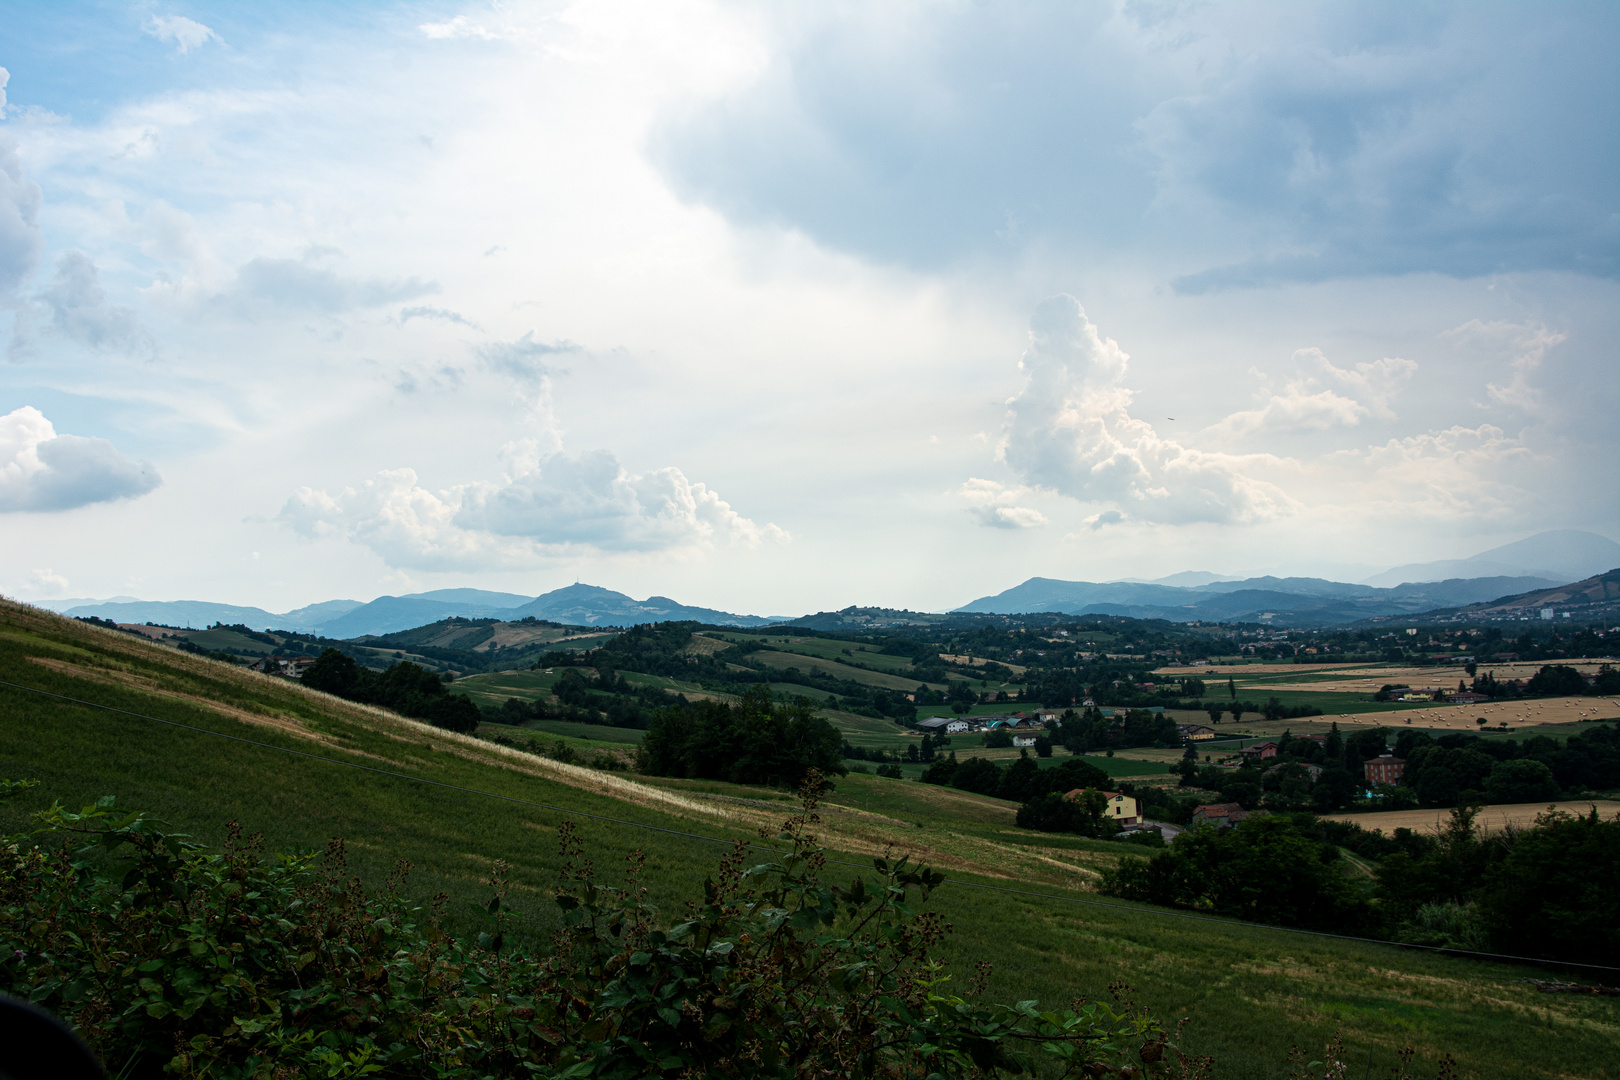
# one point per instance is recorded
(171, 960)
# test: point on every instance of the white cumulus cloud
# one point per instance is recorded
(186, 34)
(41, 470)
(996, 505)
(1071, 431)
(552, 504)
(1526, 345)
(1320, 395)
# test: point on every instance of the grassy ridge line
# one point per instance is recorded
(1253, 990)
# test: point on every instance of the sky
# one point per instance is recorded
(783, 307)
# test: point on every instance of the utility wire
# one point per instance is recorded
(836, 862)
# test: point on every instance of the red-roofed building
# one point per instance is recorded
(1384, 769)
(1220, 815)
(1260, 751)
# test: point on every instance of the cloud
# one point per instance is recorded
(298, 283)
(41, 470)
(1071, 431)
(997, 506)
(442, 314)
(555, 504)
(1330, 140)
(1107, 517)
(1296, 409)
(187, 34)
(463, 27)
(523, 358)
(19, 217)
(81, 312)
(46, 582)
(1455, 474)
(1526, 345)
(1353, 395)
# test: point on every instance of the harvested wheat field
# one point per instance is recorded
(1491, 819)
(1182, 671)
(1569, 710)
(1367, 680)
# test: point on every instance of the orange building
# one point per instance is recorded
(1385, 769)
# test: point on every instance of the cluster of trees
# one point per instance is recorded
(1553, 680)
(406, 688)
(1018, 781)
(1273, 709)
(1444, 771)
(1283, 782)
(1463, 768)
(585, 696)
(1092, 730)
(755, 741)
(1550, 891)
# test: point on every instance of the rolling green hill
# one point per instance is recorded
(1250, 991)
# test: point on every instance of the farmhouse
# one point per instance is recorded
(1025, 738)
(1259, 752)
(1195, 732)
(1220, 815)
(1117, 808)
(1121, 809)
(1385, 769)
(287, 667)
(956, 727)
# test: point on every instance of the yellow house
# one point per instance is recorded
(1116, 807)
(1121, 808)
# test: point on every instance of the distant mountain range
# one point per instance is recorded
(1560, 555)
(576, 605)
(1278, 601)
(1545, 561)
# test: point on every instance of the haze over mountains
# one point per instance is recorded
(576, 605)
(1562, 555)
(1544, 561)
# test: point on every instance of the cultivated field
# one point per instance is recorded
(1491, 819)
(1513, 713)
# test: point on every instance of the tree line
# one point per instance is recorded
(754, 741)
(406, 688)
(1551, 891)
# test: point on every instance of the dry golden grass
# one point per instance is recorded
(1513, 713)
(1491, 819)
(703, 645)
(1183, 671)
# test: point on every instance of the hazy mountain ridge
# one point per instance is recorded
(1188, 596)
(1561, 555)
(583, 605)
(1280, 601)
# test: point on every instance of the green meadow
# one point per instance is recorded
(1250, 992)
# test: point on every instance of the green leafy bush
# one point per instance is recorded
(174, 961)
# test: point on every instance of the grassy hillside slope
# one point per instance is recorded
(1251, 991)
